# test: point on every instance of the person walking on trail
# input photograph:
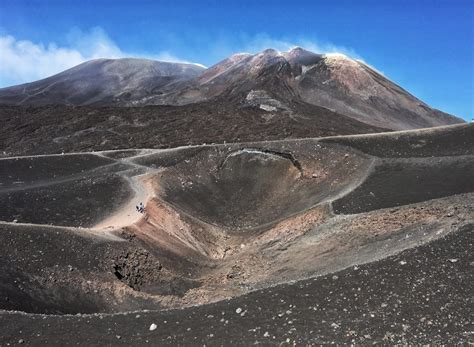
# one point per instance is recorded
(141, 208)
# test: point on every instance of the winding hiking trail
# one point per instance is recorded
(127, 214)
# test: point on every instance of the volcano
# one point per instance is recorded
(290, 198)
(270, 80)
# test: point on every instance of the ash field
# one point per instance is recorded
(271, 217)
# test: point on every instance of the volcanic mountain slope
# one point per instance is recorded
(270, 80)
(353, 88)
(57, 129)
(100, 81)
(334, 81)
(245, 222)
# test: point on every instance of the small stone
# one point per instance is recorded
(266, 334)
(21, 341)
(454, 260)
(403, 262)
(238, 310)
(153, 327)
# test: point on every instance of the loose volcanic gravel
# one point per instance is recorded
(422, 295)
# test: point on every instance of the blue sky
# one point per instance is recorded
(425, 46)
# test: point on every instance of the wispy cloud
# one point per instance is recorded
(262, 41)
(25, 61)
(225, 44)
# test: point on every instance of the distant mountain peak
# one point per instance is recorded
(299, 51)
(101, 81)
(270, 51)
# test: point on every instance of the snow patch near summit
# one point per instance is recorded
(268, 108)
(305, 68)
(262, 100)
